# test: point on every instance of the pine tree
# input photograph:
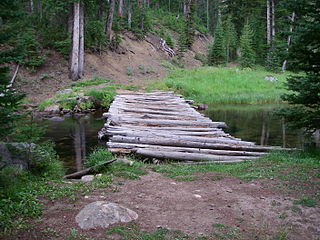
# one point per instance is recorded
(217, 51)
(305, 53)
(9, 103)
(230, 39)
(247, 55)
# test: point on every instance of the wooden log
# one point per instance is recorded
(215, 139)
(178, 128)
(86, 171)
(189, 156)
(130, 147)
(124, 131)
(167, 122)
(182, 143)
(167, 117)
(125, 110)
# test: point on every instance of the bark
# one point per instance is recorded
(110, 20)
(86, 171)
(129, 15)
(131, 147)
(74, 68)
(268, 23)
(284, 65)
(120, 9)
(182, 143)
(273, 21)
(208, 15)
(81, 41)
(190, 156)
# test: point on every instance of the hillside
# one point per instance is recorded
(134, 62)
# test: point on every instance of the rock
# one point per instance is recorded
(102, 214)
(17, 155)
(68, 90)
(270, 78)
(202, 107)
(56, 119)
(126, 161)
(197, 195)
(87, 178)
(53, 109)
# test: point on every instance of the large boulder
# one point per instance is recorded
(101, 214)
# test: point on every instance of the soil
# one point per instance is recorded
(256, 208)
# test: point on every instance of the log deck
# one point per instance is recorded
(163, 125)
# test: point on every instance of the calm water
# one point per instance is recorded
(76, 136)
(256, 123)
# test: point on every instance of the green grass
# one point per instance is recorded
(132, 232)
(294, 171)
(224, 85)
(305, 201)
(121, 169)
(96, 80)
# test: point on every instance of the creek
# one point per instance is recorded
(76, 136)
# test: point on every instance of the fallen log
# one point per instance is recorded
(182, 143)
(86, 171)
(216, 139)
(131, 147)
(189, 156)
(151, 122)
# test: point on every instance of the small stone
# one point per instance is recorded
(99, 175)
(87, 178)
(173, 183)
(56, 119)
(68, 90)
(270, 78)
(229, 191)
(54, 109)
(197, 196)
(86, 197)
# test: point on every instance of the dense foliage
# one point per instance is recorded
(305, 53)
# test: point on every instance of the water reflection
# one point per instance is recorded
(74, 137)
(256, 123)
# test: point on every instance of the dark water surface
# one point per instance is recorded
(256, 123)
(75, 136)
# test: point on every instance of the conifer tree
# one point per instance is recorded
(230, 39)
(247, 55)
(217, 51)
(305, 54)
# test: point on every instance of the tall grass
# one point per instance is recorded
(225, 85)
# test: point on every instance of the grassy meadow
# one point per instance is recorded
(225, 85)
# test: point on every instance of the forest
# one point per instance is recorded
(253, 65)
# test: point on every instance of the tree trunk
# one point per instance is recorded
(129, 15)
(110, 20)
(208, 16)
(74, 68)
(31, 7)
(268, 23)
(273, 21)
(284, 65)
(120, 9)
(81, 41)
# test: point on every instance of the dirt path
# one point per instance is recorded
(252, 210)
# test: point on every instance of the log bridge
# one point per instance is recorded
(163, 125)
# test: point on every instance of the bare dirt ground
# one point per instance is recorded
(251, 210)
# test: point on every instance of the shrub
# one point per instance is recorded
(98, 155)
